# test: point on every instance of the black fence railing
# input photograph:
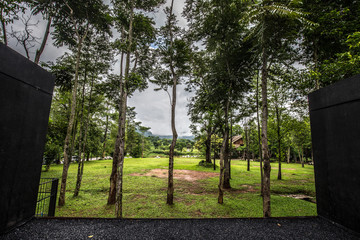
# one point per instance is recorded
(46, 200)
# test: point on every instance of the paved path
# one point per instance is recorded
(282, 228)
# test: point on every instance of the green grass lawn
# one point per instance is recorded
(145, 196)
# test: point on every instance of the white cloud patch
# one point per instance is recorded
(154, 110)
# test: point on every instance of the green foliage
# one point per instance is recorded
(345, 64)
(136, 151)
(52, 152)
(74, 19)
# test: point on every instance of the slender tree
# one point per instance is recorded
(263, 16)
(174, 55)
(137, 35)
(97, 58)
(72, 23)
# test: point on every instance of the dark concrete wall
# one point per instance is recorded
(335, 128)
(25, 99)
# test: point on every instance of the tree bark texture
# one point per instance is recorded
(214, 158)
(259, 136)
(279, 140)
(208, 145)
(224, 181)
(76, 192)
(302, 156)
(264, 138)
(225, 150)
(67, 151)
(170, 190)
(231, 145)
(116, 155)
(105, 136)
(223, 154)
(83, 150)
(120, 167)
(247, 147)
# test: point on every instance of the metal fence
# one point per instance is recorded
(46, 200)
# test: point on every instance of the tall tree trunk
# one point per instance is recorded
(170, 190)
(74, 130)
(222, 175)
(119, 186)
(302, 156)
(67, 152)
(264, 139)
(279, 140)
(230, 142)
(247, 147)
(120, 167)
(214, 156)
(259, 138)
(223, 156)
(43, 43)
(76, 192)
(224, 181)
(105, 136)
(116, 155)
(208, 144)
(83, 151)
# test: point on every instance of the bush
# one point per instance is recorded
(135, 152)
(50, 154)
(203, 163)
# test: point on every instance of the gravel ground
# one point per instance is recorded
(274, 228)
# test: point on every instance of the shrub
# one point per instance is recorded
(203, 163)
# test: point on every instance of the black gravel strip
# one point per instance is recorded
(283, 228)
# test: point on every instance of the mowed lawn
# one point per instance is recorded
(145, 190)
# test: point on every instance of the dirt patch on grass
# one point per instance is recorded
(187, 175)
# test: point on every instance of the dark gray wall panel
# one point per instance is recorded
(25, 99)
(335, 128)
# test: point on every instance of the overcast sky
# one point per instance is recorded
(153, 108)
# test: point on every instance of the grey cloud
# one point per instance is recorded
(153, 108)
